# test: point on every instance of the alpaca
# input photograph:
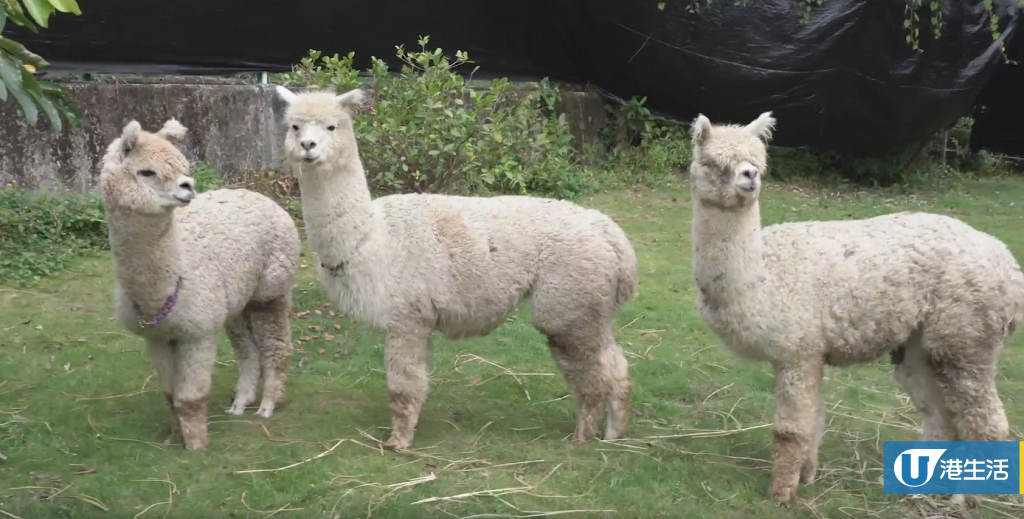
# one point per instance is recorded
(410, 264)
(937, 295)
(188, 265)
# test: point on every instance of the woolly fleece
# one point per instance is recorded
(413, 263)
(939, 296)
(236, 252)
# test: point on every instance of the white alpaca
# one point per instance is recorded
(189, 265)
(937, 295)
(411, 264)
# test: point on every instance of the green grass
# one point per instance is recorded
(77, 394)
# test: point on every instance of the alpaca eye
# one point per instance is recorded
(331, 128)
(147, 173)
(295, 127)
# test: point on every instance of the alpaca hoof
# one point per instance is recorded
(809, 472)
(783, 494)
(171, 436)
(397, 444)
(197, 446)
(236, 410)
(196, 442)
(266, 410)
(966, 500)
(584, 434)
(580, 439)
(614, 431)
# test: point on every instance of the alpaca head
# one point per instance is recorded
(319, 124)
(729, 160)
(145, 172)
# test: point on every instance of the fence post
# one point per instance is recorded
(945, 142)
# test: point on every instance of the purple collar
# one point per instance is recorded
(164, 311)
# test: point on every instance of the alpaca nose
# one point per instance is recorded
(750, 173)
(187, 184)
(308, 145)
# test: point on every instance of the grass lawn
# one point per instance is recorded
(81, 420)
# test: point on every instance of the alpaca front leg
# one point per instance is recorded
(405, 358)
(797, 391)
(162, 354)
(193, 376)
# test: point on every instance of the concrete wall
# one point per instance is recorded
(233, 127)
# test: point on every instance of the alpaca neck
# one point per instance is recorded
(147, 257)
(728, 256)
(337, 210)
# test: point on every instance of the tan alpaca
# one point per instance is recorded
(188, 265)
(411, 264)
(939, 296)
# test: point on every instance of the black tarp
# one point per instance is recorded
(999, 110)
(846, 81)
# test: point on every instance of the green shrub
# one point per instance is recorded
(431, 130)
(206, 177)
(39, 234)
(638, 149)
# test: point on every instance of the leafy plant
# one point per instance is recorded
(39, 234)
(629, 124)
(431, 129)
(206, 177)
(18, 64)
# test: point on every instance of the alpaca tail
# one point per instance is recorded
(626, 271)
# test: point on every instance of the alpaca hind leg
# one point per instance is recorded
(247, 357)
(809, 470)
(582, 363)
(797, 390)
(620, 391)
(162, 354)
(406, 355)
(917, 377)
(192, 378)
(968, 385)
(271, 328)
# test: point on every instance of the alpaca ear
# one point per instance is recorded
(172, 130)
(700, 130)
(352, 100)
(286, 95)
(762, 126)
(130, 136)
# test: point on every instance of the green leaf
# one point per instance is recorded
(9, 74)
(39, 10)
(69, 113)
(29, 83)
(19, 18)
(19, 51)
(3, 19)
(53, 90)
(48, 108)
(66, 6)
(3, 92)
